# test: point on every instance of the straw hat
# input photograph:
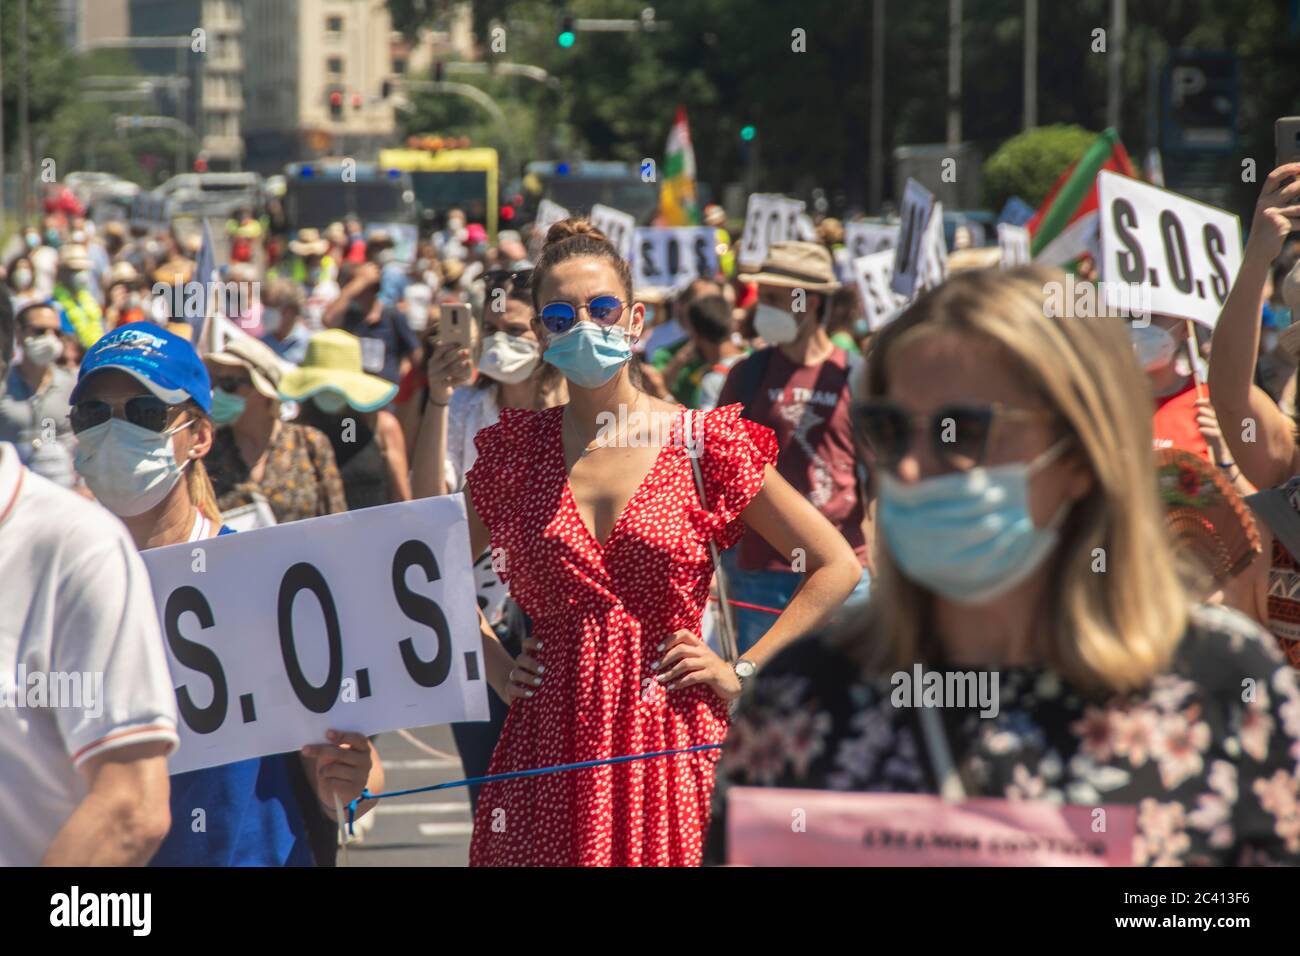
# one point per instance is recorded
(796, 265)
(264, 367)
(309, 243)
(123, 272)
(333, 362)
(174, 272)
(74, 257)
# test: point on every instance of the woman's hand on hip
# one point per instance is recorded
(688, 661)
(526, 676)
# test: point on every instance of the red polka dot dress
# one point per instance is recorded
(600, 612)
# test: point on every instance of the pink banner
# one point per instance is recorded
(771, 827)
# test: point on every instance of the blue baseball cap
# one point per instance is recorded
(161, 361)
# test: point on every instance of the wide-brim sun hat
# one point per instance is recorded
(333, 363)
(796, 265)
(264, 367)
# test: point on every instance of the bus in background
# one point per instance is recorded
(329, 190)
(449, 178)
(579, 185)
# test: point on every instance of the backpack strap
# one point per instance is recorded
(750, 375)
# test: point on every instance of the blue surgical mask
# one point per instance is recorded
(226, 408)
(589, 355)
(968, 535)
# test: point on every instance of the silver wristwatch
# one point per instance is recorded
(744, 669)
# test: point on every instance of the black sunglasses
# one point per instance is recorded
(518, 279)
(959, 433)
(230, 384)
(147, 411)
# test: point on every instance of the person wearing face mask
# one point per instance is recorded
(35, 397)
(77, 294)
(283, 330)
(141, 412)
(597, 523)
(510, 374)
(1009, 458)
(257, 457)
(331, 389)
(800, 387)
(21, 279)
(1160, 343)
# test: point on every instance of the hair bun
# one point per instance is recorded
(571, 227)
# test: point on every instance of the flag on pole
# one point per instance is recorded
(1066, 222)
(197, 308)
(677, 203)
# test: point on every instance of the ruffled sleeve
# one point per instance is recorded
(503, 456)
(734, 454)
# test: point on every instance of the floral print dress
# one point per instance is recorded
(1209, 753)
(600, 612)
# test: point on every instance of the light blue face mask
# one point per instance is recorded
(588, 354)
(968, 535)
(226, 408)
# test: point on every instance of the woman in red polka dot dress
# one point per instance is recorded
(594, 518)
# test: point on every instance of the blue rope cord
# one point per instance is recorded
(491, 778)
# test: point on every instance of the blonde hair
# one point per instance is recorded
(197, 481)
(1113, 628)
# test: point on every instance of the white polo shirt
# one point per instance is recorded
(82, 664)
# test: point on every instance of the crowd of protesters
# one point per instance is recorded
(854, 541)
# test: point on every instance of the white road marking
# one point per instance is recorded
(385, 809)
(422, 763)
(446, 829)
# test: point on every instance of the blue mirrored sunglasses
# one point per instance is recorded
(559, 317)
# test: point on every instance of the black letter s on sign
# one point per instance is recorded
(201, 720)
(419, 608)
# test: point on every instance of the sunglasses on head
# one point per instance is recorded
(559, 317)
(230, 383)
(518, 279)
(958, 433)
(146, 411)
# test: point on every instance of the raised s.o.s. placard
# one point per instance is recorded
(865, 238)
(618, 227)
(1175, 254)
(363, 621)
(670, 256)
(872, 274)
(781, 827)
(769, 218)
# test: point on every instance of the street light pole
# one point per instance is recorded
(24, 139)
(954, 75)
(1115, 48)
(1031, 64)
(876, 186)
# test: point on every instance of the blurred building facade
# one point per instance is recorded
(315, 76)
(213, 103)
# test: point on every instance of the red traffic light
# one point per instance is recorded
(356, 101)
(507, 213)
(336, 98)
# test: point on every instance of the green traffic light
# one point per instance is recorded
(566, 39)
(747, 133)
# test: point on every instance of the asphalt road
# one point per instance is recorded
(423, 829)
